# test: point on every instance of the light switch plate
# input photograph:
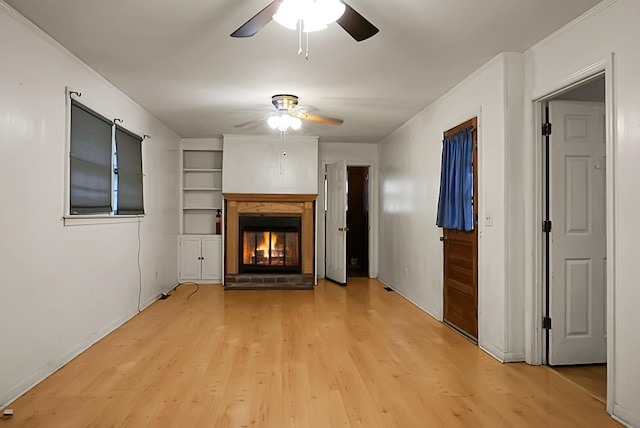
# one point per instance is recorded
(488, 219)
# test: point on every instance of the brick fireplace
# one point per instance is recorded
(269, 241)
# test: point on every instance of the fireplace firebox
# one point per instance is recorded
(269, 244)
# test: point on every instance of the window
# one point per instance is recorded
(128, 171)
(105, 166)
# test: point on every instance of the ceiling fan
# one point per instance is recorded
(351, 21)
(291, 116)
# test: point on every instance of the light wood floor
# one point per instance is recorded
(355, 356)
(592, 378)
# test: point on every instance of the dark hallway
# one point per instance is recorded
(358, 221)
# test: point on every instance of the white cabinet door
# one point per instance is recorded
(212, 258)
(190, 254)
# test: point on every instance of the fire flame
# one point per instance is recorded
(264, 244)
(281, 251)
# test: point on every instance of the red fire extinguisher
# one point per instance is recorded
(218, 222)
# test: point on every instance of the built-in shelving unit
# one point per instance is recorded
(200, 202)
(201, 189)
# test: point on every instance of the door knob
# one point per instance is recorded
(343, 229)
(442, 238)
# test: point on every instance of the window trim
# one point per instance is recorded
(69, 219)
(83, 219)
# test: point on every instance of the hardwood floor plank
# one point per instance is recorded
(591, 377)
(354, 356)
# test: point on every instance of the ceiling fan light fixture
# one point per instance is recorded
(284, 102)
(296, 123)
(285, 122)
(288, 14)
(314, 15)
(328, 11)
(274, 121)
(310, 25)
(288, 116)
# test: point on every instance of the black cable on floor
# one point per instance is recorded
(164, 296)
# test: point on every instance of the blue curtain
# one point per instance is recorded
(455, 205)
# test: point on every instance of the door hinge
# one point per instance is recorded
(546, 323)
(546, 129)
(546, 226)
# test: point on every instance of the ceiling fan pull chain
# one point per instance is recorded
(306, 55)
(299, 37)
(284, 153)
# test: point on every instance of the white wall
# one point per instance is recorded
(270, 164)
(409, 175)
(578, 49)
(356, 154)
(64, 287)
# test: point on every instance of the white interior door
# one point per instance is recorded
(578, 248)
(336, 223)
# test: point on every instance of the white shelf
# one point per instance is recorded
(201, 221)
(201, 182)
(202, 159)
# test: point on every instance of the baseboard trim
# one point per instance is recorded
(429, 311)
(514, 357)
(625, 417)
(44, 372)
(494, 352)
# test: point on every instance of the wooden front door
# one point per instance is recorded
(461, 260)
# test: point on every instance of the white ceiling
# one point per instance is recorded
(177, 60)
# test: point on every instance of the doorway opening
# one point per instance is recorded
(575, 234)
(347, 214)
(358, 221)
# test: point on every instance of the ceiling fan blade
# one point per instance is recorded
(320, 119)
(260, 19)
(356, 25)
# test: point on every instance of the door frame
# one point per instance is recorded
(373, 213)
(536, 302)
